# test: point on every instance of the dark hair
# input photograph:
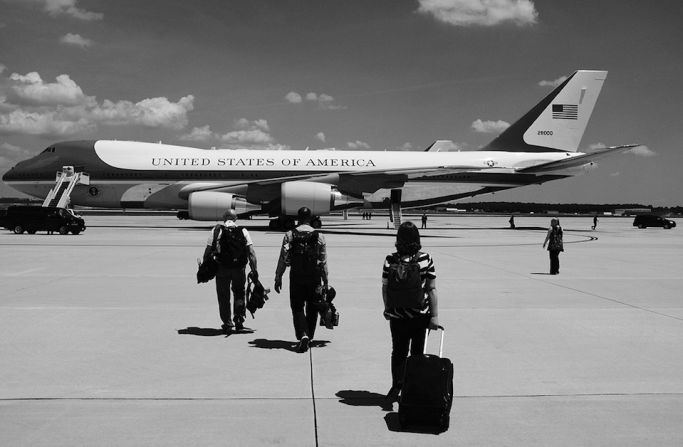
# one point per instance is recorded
(408, 239)
(304, 214)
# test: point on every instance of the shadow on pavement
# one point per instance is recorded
(284, 344)
(211, 332)
(358, 398)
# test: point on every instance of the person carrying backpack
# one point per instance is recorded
(232, 248)
(305, 252)
(410, 300)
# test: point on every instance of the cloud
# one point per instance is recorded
(642, 151)
(245, 134)
(203, 133)
(76, 40)
(322, 100)
(30, 89)
(293, 98)
(556, 83)
(43, 123)
(321, 137)
(68, 8)
(30, 106)
(10, 154)
(405, 147)
(490, 126)
(480, 12)
(3, 67)
(150, 112)
(357, 145)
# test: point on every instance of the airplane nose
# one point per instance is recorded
(8, 175)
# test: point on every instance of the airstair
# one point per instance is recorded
(66, 181)
(395, 208)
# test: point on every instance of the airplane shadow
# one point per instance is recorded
(284, 344)
(211, 332)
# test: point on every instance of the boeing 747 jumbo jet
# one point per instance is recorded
(540, 147)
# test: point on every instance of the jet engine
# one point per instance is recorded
(210, 205)
(319, 197)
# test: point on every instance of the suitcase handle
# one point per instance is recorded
(427, 331)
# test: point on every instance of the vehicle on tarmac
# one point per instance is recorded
(41, 218)
(653, 220)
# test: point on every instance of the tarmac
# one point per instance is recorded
(107, 339)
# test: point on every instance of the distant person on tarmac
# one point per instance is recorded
(555, 245)
(595, 222)
(410, 300)
(305, 252)
(424, 220)
(232, 248)
(512, 222)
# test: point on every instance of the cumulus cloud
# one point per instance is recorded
(10, 154)
(30, 89)
(480, 12)
(322, 100)
(358, 145)
(203, 133)
(3, 67)
(76, 40)
(245, 134)
(68, 8)
(293, 98)
(320, 137)
(31, 106)
(489, 126)
(407, 146)
(642, 151)
(556, 83)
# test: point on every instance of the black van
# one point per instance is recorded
(41, 218)
(652, 220)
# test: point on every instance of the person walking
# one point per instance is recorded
(595, 222)
(424, 220)
(232, 248)
(512, 222)
(305, 252)
(555, 245)
(410, 300)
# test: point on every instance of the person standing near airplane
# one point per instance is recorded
(555, 245)
(303, 250)
(424, 219)
(410, 300)
(232, 248)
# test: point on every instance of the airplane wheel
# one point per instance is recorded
(63, 230)
(75, 231)
(18, 229)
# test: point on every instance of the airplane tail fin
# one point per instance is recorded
(557, 122)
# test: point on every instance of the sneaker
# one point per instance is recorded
(227, 328)
(303, 344)
(239, 325)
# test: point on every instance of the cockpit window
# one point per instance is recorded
(49, 149)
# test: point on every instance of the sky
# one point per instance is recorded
(347, 74)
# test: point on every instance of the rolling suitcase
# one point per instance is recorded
(427, 392)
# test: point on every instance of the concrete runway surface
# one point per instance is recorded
(108, 340)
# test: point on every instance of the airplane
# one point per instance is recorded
(541, 146)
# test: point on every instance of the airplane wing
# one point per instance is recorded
(351, 182)
(573, 162)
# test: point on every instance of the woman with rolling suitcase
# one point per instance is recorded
(410, 301)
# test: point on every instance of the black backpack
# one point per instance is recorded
(404, 287)
(231, 247)
(303, 253)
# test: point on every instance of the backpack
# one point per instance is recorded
(303, 253)
(404, 286)
(231, 247)
(555, 243)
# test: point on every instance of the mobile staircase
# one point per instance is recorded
(66, 181)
